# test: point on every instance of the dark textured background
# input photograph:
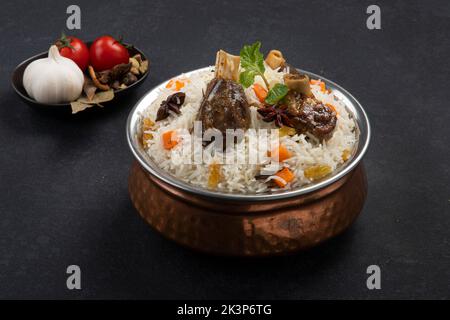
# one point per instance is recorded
(63, 180)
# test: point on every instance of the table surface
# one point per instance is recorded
(63, 180)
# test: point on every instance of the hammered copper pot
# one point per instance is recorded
(242, 224)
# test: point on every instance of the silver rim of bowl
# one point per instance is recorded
(353, 106)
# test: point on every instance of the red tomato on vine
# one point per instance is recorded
(106, 52)
(74, 49)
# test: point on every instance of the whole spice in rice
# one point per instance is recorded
(172, 103)
(278, 114)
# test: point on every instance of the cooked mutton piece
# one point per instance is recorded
(224, 105)
(227, 66)
(310, 115)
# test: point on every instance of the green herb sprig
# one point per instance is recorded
(252, 62)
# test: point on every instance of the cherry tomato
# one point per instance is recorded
(74, 49)
(106, 52)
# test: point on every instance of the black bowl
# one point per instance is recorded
(17, 84)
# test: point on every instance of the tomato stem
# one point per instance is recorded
(64, 42)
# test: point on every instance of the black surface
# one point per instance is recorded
(63, 180)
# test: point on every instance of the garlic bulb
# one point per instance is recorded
(54, 79)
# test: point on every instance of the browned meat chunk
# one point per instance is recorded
(310, 115)
(224, 106)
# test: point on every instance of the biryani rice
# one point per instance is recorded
(306, 150)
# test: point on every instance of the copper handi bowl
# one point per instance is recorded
(248, 224)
